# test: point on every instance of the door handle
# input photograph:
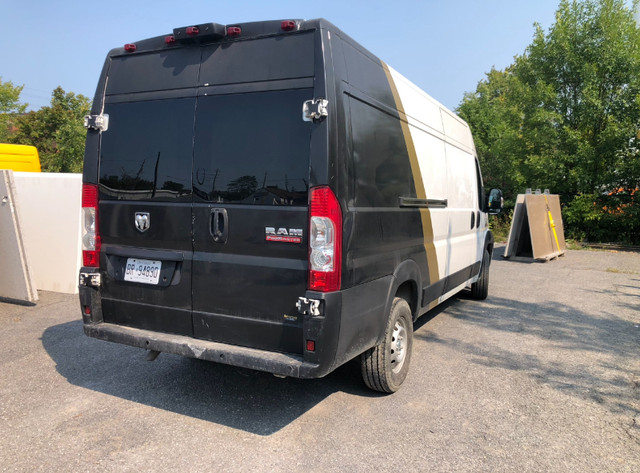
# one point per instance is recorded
(219, 225)
(473, 220)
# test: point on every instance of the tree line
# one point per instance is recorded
(565, 116)
(56, 130)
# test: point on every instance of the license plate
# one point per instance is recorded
(142, 270)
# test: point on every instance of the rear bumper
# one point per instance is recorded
(261, 360)
(350, 322)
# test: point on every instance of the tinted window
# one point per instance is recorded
(380, 160)
(147, 150)
(252, 148)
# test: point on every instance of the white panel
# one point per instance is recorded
(427, 113)
(457, 131)
(433, 168)
(50, 205)
(16, 276)
(440, 222)
(462, 178)
(422, 110)
(462, 204)
(445, 151)
(432, 161)
(430, 153)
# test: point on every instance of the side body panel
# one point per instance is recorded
(410, 195)
(413, 190)
(449, 182)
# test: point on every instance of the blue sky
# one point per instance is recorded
(445, 47)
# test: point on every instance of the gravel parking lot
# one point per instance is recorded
(542, 376)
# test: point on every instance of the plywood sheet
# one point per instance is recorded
(519, 215)
(541, 238)
(556, 212)
(536, 229)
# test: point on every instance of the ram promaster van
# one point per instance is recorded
(272, 196)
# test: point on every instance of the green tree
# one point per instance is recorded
(565, 116)
(10, 107)
(57, 131)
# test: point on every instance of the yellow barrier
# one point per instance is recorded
(21, 158)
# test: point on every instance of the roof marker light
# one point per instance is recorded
(129, 47)
(169, 39)
(193, 30)
(234, 31)
(288, 25)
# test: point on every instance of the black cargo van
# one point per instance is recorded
(271, 195)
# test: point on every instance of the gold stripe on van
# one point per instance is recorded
(425, 214)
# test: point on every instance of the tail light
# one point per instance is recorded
(90, 234)
(325, 241)
(130, 47)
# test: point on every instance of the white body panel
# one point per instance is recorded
(447, 161)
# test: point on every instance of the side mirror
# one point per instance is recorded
(495, 202)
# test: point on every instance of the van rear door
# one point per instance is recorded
(145, 190)
(251, 183)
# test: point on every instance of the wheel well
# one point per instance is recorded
(409, 293)
(488, 244)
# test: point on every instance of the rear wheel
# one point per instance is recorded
(385, 366)
(480, 288)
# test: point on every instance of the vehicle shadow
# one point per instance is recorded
(243, 399)
(591, 355)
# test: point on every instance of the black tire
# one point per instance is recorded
(480, 288)
(385, 366)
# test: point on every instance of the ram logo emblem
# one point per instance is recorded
(142, 221)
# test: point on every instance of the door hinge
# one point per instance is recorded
(315, 109)
(97, 122)
(90, 279)
(308, 306)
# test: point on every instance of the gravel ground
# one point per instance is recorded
(542, 376)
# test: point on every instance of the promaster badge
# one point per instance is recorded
(291, 235)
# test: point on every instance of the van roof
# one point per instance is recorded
(207, 33)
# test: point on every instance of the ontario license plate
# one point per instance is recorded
(142, 270)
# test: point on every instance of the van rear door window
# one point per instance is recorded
(147, 151)
(252, 148)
